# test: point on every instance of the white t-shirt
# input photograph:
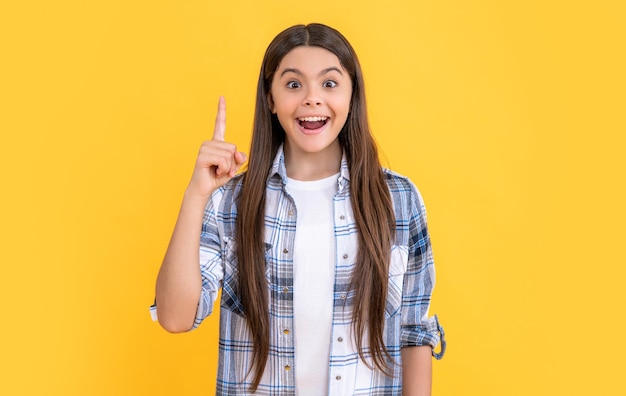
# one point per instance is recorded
(314, 276)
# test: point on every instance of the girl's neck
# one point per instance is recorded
(313, 166)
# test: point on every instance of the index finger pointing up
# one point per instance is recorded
(220, 120)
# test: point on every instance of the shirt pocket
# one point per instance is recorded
(230, 286)
(397, 269)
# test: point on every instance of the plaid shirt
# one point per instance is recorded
(411, 280)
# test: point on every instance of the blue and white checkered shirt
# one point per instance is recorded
(411, 280)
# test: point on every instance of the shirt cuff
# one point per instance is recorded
(429, 333)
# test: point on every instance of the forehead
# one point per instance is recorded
(309, 59)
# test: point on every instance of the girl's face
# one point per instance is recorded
(311, 94)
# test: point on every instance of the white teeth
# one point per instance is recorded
(313, 119)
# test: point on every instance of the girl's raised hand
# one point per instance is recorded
(218, 160)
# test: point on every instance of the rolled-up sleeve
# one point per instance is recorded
(211, 259)
(418, 328)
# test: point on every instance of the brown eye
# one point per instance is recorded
(329, 84)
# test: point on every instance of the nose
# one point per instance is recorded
(312, 97)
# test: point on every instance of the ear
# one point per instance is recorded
(270, 103)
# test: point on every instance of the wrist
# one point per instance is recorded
(193, 197)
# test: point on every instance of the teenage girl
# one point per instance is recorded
(322, 256)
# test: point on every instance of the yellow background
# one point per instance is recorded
(508, 115)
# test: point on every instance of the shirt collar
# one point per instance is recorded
(279, 169)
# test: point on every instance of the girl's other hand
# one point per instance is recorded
(218, 161)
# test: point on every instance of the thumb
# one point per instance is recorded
(240, 158)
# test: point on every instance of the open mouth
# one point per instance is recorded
(312, 122)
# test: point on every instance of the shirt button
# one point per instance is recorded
(285, 250)
(345, 256)
(342, 217)
(340, 339)
(285, 289)
(338, 378)
(287, 367)
(286, 331)
(343, 296)
(290, 213)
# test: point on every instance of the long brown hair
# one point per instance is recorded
(370, 199)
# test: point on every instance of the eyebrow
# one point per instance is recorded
(298, 72)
